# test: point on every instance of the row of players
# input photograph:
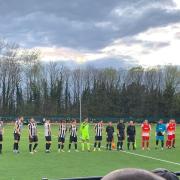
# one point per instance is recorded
(130, 131)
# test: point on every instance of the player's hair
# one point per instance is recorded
(129, 174)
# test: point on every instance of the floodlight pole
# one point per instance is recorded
(80, 61)
(80, 92)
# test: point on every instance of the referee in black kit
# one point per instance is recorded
(120, 134)
(131, 133)
(110, 135)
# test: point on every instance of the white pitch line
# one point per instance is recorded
(149, 157)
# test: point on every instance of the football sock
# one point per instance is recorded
(14, 146)
(95, 144)
(147, 144)
(121, 144)
(59, 146)
(75, 146)
(143, 144)
(30, 147)
(118, 144)
(88, 146)
(49, 146)
(62, 146)
(133, 144)
(107, 145)
(157, 142)
(17, 146)
(82, 145)
(46, 146)
(99, 145)
(170, 143)
(69, 146)
(128, 145)
(167, 143)
(173, 144)
(0, 147)
(110, 146)
(162, 144)
(35, 145)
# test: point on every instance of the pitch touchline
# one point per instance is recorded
(148, 157)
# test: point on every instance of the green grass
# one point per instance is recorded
(58, 165)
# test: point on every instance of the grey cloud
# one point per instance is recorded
(146, 44)
(73, 23)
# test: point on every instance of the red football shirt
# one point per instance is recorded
(146, 128)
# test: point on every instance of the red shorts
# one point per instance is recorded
(145, 138)
(170, 137)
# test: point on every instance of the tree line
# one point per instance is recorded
(31, 87)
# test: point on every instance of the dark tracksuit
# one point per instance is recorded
(131, 133)
(120, 135)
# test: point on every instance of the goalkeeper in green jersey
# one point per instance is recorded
(84, 129)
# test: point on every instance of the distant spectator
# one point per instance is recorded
(165, 174)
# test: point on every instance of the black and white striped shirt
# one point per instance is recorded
(1, 128)
(18, 126)
(47, 129)
(73, 130)
(62, 130)
(32, 129)
(98, 129)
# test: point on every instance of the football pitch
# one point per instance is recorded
(25, 166)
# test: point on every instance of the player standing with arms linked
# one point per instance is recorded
(33, 137)
(120, 134)
(61, 136)
(98, 135)
(17, 133)
(160, 131)
(1, 135)
(110, 136)
(131, 133)
(146, 129)
(84, 130)
(73, 135)
(47, 132)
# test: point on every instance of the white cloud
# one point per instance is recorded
(177, 3)
(65, 54)
(153, 54)
(156, 46)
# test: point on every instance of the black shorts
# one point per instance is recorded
(48, 138)
(98, 138)
(1, 137)
(121, 137)
(131, 139)
(73, 139)
(109, 138)
(33, 139)
(16, 137)
(61, 140)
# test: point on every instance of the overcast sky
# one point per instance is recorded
(145, 32)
